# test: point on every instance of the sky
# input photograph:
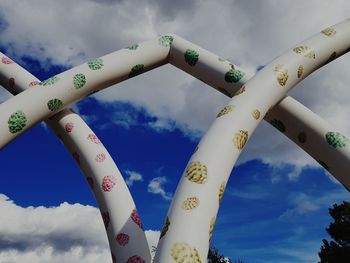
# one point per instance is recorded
(275, 208)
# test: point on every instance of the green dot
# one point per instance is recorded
(95, 64)
(17, 121)
(79, 80)
(278, 125)
(136, 70)
(336, 139)
(133, 47)
(54, 104)
(49, 81)
(302, 137)
(233, 75)
(165, 41)
(191, 57)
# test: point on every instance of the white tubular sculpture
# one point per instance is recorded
(123, 225)
(189, 225)
(290, 117)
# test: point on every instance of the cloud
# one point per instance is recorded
(71, 233)
(177, 101)
(133, 177)
(304, 204)
(155, 186)
(304, 207)
(67, 233)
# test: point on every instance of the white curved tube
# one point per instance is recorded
(209, 68)
(189, 230)
(123, 224)
(53, 106)
(37, 104)
(290, 117)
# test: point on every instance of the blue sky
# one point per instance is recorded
(275, 208)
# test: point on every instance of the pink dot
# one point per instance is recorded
(100, 157)
(108, 183)
(135, 259)
(136, 218)
(69, 127)
(33, 83)
(122, 239)
(105, 217)
(6, 60)
(93, 138)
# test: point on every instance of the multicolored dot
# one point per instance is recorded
(49, 81)
(233, 75)
(54, 104)
(135, 217)
(191, 57)
(302, 137)
(133, 47)
(165, 227)
(336, 139)
(136, 70)
(165, 41)
(95, 64)
(17, 121)
(122, 239)
(106, 219)
(278, 125)
(79, 80)
(108, 183)
(240, 139)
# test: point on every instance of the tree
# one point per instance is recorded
(337, 251)
(214, 257)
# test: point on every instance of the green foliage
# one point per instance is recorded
(215, 257)
(337, 251)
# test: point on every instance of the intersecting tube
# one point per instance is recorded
(123, 225)
(213, 70)
(66, 88)
(193, 211)
(290, 117)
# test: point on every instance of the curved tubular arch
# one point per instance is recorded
(290, 117)
(60, 91)
(171, 48)
(95, 163)
(53, 95)
(210, 166)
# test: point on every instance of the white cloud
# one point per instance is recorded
(67, 233)
(302, 203)
(133, 177)
(155, 186)
(249, 33)
(71, 233)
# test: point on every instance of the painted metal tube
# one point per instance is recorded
(55, 93)
(123, 225)
(223, 76)
(191, 217)
(290, 117)
(314, 135)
